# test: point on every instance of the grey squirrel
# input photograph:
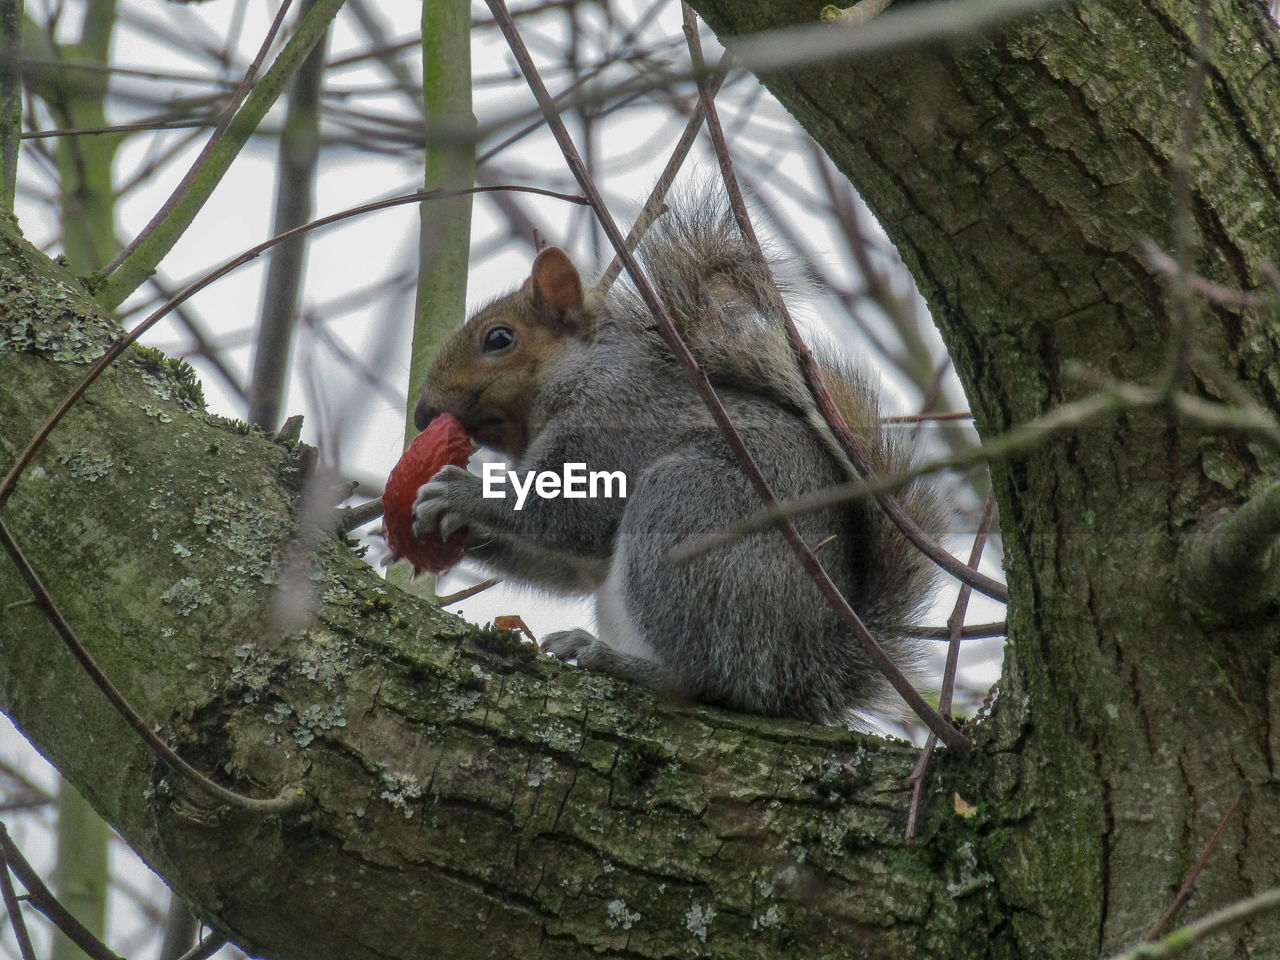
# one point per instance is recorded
(556, 373)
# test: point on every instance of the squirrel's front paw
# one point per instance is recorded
(444, 503)
(568, 644)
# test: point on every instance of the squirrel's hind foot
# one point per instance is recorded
(568, 644)
(594, 654)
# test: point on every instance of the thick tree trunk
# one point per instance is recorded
(1018, 179)
(471, 799)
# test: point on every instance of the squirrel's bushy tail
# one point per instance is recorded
(904, 580)
(723, 301)
(720, 297)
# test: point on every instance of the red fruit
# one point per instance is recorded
(444, 442)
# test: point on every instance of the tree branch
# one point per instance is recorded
(43, 900)
(140, 258)
(298, 160)
(1231, 566)
(455, 772)
(1184, 937)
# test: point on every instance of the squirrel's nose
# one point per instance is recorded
(423, 414)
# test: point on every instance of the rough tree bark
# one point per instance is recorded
(470, 799)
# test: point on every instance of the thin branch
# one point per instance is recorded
(297, 157)
(179, 928)
(23, 783)
(1217, 293)
(14, 910)
(653, 207)
(117, 70)
(1231, 566)
(40, 897)
(666, 327)
(977, 631)
(955, 624)
(912, 25)
(1184, 937)
(206, 948)
(27, 801)
(125, 273)
(397, 71)
(928, 417)
(483, 585)
(1183, 215)
(1189, 885)
(1112, 398)
(349, 518)
(118, 128)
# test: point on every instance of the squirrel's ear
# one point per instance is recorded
(554, 282)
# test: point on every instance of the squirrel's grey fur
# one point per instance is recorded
(743, 626)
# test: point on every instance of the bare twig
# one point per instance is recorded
(927, 417)
(684, 358)
(215, 137)
(1184, 937)
(299, 153)
(1218, 293)
(24, 801)
(1184, 216)
(118, 128)
(179, 928)
(14, 910)
(351, 517)
(916, 24)
(1189, 884)
(39, 896)
(653, 207)
(206, 948)
(955, 624)
(975, 631)
(471, 591)
(24, 785)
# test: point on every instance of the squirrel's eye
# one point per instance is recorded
(499, 339)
